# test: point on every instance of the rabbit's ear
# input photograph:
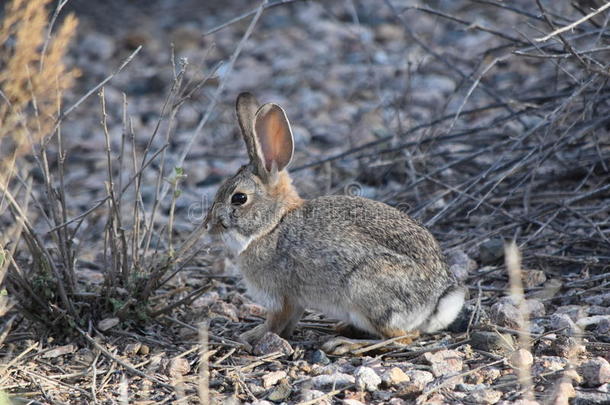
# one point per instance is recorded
(274, 137)
(246, 107)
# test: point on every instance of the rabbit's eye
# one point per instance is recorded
(239, 199)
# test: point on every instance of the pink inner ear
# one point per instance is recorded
(274, 137)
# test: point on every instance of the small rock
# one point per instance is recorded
(445, 362)
(533, 278)
(260, 402)
(535, 308)
(417, 383)
(272, 378)
(394, 376)
(493, 342)
(107, 323)
(271, 343)
(319, 357)
(545, 364)
(351, 402)
(420, 377)
(329, 380)
(603, 327)
(564, 324)
(601, 299)
(484, 397)
(179, 366)
(309, 395)
(460, 264)
(590, 321)
(566, 346)
(380, 395)
(280, 393)
(491, 251)
(595, 372)
(575, 312)
(226, 310)
(470, 387)
(59, 351)
(522, 359)
(599, 396)
(144, 350)
(549, 290)
(367, 379)
(504, 313)
(133, 348)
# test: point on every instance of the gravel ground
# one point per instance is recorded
(449, 110)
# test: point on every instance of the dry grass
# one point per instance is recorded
(33, 78)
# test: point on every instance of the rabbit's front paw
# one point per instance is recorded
(251, 337)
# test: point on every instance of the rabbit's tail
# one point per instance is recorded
(447, 309)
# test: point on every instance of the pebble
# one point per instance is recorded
(394, 377)
(595, 372)
(504, 313)
(107, 323)
(566, 346)
(491, 251)
(319, 357)
(178, 367)
(590, 321)
(533, 278)
(601, 299)
(493, 342)
(575, 312)
(563, 324)
(280, 393)
(310, 395)
(444, 362)
(460, 264)
(598, 396)
(545, 364)
(484, 397)
(351, 402)
(271, 343)
(272, 378)
(418, 381)
(338, 380)
(367, 379)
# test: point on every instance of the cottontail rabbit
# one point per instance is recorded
(351, 258)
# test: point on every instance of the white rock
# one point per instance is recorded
(367, 379)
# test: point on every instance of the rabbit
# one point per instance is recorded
(360, 261)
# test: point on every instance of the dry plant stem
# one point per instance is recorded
(43, 53)
(203, 383)
(574, 24)
(123, 363)
(118, 240)
(97, 87)
(513, 265)
(215, 96)
(246, 15)
(40, 248)
(172, 115)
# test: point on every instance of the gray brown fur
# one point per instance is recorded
(352, 258)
